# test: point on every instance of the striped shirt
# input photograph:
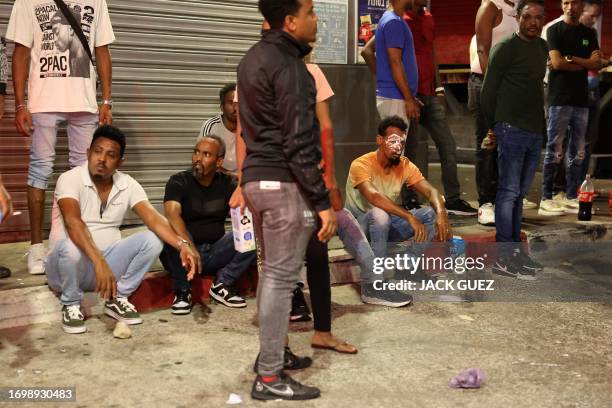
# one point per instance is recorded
(214, 126)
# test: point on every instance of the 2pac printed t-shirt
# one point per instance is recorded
(62, 78)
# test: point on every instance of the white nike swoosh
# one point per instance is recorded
(287, 392)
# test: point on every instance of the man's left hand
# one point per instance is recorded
(445, 231)
(190, 259)
(106, 115)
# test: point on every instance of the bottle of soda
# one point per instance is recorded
(585, 199)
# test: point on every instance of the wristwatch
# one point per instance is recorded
(182, 242)
(108, 102)
(569, 58)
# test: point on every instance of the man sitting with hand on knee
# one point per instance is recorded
(87, 251)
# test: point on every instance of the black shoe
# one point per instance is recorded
(4, 272)
(283, 387)
(513, 267)
(391, 298)
(226, 295)
(292, 361)
(299, 309)
(529, 263)
(182, 303)
(460, 207)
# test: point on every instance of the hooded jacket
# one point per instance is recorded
(276, 95)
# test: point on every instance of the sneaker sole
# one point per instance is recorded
(130, 321)
(181, 311)
(301, 318)
(488, 224)
(570, 210)
(549, 213)
(502, 272)
(526, 277)
(270, 397)
(36, 272)
(458, 212)
(74, 330)
(381, 302)
(224, 302)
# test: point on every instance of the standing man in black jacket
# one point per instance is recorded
(281, 179)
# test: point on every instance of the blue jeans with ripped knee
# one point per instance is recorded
(559, 119)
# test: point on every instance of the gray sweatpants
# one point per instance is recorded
(284, 222)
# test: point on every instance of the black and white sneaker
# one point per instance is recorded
(226, 295)
(292, 361)
(460, 207)
(513, 267)
(121, 309)
(283, 387)
(182, 303)
(528, 262)
(299, 309)
(391, 298)
(73, 321)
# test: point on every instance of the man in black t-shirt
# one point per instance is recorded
(573, 50)
(196, 204)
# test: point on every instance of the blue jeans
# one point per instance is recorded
(559, 119)
(518, 155)
(356, 244)
(70, 272)
(220, 257)
(381, 228)
(80, 129)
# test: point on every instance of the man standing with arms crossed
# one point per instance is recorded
(59, 91)
(281, 180)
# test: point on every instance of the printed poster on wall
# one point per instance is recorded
(332, 32)
(369, 13)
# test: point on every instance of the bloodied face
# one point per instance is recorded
(392, 144)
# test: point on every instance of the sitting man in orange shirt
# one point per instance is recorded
(373, 194)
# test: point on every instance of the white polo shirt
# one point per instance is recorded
(103, 223)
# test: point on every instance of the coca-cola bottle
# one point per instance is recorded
(585, 199)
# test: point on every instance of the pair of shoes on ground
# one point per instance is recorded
(224, 294)
(559, 205)
(486, 212)
(119, 308)
(517, 265)
(282, 386)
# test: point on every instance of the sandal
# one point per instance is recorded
(341, 347)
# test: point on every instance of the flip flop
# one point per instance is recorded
(338, 348)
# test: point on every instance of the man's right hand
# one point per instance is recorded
(328, 225)
(23, 122)
(413, 109)
(106, 285)
(420, 232)
(237, 200)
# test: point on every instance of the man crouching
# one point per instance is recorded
(87, 252)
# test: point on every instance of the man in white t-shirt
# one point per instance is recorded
(224, 126)
(61, 88)
(87, 252)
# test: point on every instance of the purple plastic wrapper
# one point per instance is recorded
(470, 378)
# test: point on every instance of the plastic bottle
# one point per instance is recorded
(457, 249)
(585, 199)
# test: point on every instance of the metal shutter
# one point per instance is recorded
(170, 59)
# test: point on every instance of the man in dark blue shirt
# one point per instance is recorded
(397, 76)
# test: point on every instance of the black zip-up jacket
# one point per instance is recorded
(277, 97)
